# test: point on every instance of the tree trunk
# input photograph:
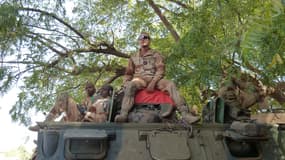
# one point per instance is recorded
(164, 21)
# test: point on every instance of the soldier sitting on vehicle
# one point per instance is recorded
(91, 96)
(99, 111)
(146, 70)
(64, 103)
(239, 94)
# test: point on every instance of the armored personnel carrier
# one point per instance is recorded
(217, 137)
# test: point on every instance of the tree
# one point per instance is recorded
(229, 36)
(21, 152)
(55, 46)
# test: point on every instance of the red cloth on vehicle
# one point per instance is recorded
(156, 97)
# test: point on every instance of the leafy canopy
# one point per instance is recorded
(54, 46)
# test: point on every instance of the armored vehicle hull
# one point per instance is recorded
(163, 141)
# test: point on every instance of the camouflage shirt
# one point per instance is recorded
(88, 101)
(149, 65)
(239, 93)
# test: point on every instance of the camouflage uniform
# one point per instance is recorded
(99, 110)
(89, 101)
(141, 71)
(239, 95)
(63, 100)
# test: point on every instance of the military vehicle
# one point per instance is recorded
(214, 138)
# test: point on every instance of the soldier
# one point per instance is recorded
(91, 96)
(242, 93)
(99, 111)
(146, 70)
(64, 100)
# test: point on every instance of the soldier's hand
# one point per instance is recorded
(126, 84)
(150, 87)
(89, 116)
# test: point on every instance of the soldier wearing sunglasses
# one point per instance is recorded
(146, 69)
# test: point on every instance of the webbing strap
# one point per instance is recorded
(92, 99)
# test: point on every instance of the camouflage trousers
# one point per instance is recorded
(137, 83)
(235, 97)
(65, 104)
(238, 101)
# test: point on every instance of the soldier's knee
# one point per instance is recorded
(130, 86)
(171, 85)
(130, 89)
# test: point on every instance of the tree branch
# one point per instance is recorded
(26, 70)
(166, 9)
(278, 92)
(119, 72)
(93, 69)
(60, 34)
(21, 62)
(164, 20)
(179, 3)
(49, 40)
(57, 18)
(62, 54)
(102, 47)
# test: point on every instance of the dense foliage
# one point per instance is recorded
(51, 46)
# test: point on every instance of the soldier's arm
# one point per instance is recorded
(160, 68)
(85, 102)
(159, 72)
(242, 85)
(129, 71)
(53, 114)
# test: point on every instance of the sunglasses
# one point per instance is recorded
(141, 37)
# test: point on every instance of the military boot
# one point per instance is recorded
(188, 116)
(122, 117)
(36, 128)
(127, 104)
